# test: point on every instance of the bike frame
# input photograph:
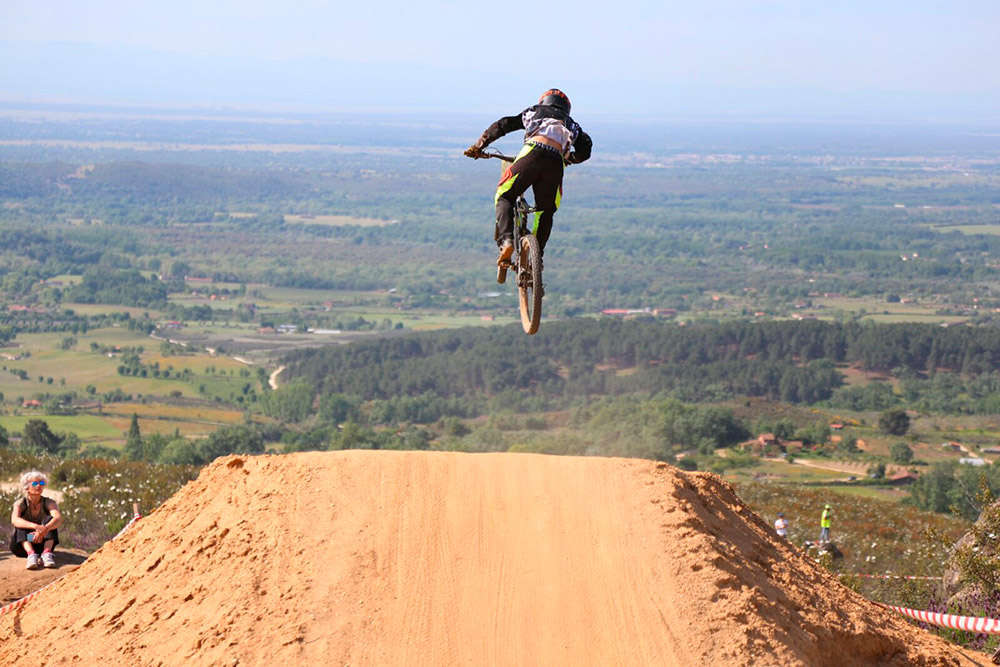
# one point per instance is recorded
(526, 261)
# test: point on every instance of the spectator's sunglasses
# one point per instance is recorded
(38, 482)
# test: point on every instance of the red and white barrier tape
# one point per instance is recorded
(890, 576)
(20, 603)
(127, 526)
(977, 624)
(17, 604)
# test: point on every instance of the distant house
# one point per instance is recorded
(31, 403)
(902, 478)
(793, 446)
(836, 426)
(766, 444)
(952, 446)
(972, 461)
(991, 450)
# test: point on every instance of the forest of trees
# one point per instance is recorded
(791, 361)
(125, 287)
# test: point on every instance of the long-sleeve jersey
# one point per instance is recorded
(547, 121)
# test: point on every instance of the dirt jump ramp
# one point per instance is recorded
(434, 558)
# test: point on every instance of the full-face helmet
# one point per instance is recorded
(555, 98)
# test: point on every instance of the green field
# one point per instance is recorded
(774, 471)
(77, 368)
(89, 428)
(880, 310)
(101, 309)
(348, 306)
(111, 425)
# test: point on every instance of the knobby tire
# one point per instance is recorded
(529, 284)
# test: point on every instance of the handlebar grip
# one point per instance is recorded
(497, 154)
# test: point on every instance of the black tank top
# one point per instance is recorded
(43, 510)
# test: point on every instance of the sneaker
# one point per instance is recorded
(33, 562)
(48, 560)
(503, 260)
(506, 250)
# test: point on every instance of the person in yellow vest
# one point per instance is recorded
(824, 524)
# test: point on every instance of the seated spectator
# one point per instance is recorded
(36, 521)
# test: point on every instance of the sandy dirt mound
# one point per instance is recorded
(416, 558)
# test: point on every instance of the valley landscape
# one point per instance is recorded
(746, 319)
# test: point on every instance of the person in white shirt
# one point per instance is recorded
(781, 525)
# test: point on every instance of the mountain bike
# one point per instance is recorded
(526, 261)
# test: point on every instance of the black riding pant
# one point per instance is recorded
(540, 168)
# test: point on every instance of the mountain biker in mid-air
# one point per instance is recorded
(551, 139)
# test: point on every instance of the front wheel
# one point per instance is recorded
(529, 284)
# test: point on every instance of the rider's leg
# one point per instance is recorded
(548, 195)
(517, 178)
(505, 221)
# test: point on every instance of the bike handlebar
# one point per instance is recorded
(505, 158)
(497, 154)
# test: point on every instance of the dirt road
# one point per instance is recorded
(272, 379)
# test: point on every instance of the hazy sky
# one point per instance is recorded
(921, 58)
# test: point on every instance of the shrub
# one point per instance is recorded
(901, 453)
(894, 422)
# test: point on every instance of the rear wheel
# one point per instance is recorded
(529, 284)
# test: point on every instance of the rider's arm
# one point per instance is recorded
(505, 125)
(581, 148)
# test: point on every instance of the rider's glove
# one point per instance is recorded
(475, 151)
